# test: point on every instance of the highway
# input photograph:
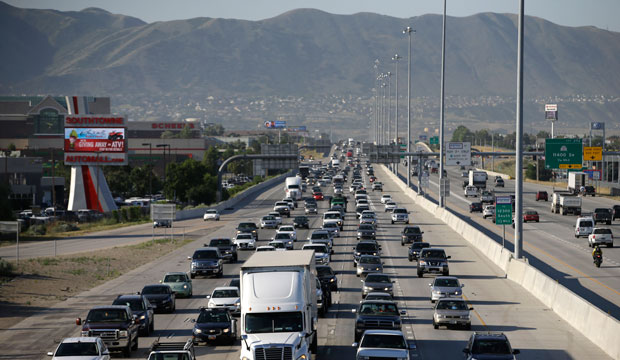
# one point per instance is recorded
(549, 245)
(500, 304)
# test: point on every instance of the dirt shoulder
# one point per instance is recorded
(43, 282)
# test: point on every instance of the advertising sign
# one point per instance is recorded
(563, 154)
(597, 126)
(503, 210)
(94, 121)
(94, 139)
(275, 124)
(94, 159)
(551, 112)
(458, 153)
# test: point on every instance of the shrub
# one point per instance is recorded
(116, 216)
(62, 226)
(37, 230)
(124, 214)
(135, 213)
(6, 268)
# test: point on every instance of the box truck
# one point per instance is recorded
(575, 181)
(478, 179)
(279, 316)
(292, 187)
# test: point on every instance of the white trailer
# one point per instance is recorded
(478, 179)
(575, 181)
(279, 305)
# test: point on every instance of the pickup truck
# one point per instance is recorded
(601, 236)
(172, 350)
(487, 197)
(116, 325)
(602, 215)
(227, 248)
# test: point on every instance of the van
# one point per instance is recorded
(584, 226)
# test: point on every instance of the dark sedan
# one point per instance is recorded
(415, 248)
(376, 315)
(366, 231)
(327, 276)
(161, 297)
(475, 207)
(214, 325)
(301, 222)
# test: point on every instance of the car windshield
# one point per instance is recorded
(251, 226)
(77, 349)
(420, 245)
(490, 346)
(324, 271)
(383, 341)
(273, 322)
(316, 248)
(319, 236)
(134, 304)
(268, 218)
(368, 216)
(225, 293)
(378, 278)
(287, 228)
(216, 242)
(332, 216)
(434, 254)
(366, 227)
(607, 211)
(155, 290)
(451, 305)
(400, 211)
(531, 213)
(446, 282)
(107, 315)
(213, 316)
(175, 278)
(602, 231)
(390, 203)
(366, 247)
(211, 212)
(412, 230)
(244, 236)
(370, 260)
(585, 224)
(282, 236)
(203, 255)
(378, 297)
(388, 309)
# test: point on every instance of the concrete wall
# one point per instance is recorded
(594, 324)
(256, 189)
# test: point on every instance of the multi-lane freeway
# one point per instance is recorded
(499, 304)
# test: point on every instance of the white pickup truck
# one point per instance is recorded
(601, 236)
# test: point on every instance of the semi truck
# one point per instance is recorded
(564, 202)
(478, 179)
(279, 317)
(575, 181)
(292, 187)
(304, 171)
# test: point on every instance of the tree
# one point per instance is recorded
(186, 133)
(210, 160)
(181, 178)
(141, 178)
(214, 130)
(118, 178)
(167, 135)
(461, 133)
(543, 135)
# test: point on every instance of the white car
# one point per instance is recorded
(211, 214)
(245, 241)
(601, 236)
(288, 229)
(225, 297)
(268, 221)
(362, 202)
(276, 215)
(279, 245)
(389, 206)
(382, 344)
(385, 198)
(81, 348)
(285, 238)
(489, 211)
(471, 191)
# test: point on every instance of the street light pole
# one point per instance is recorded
(519, 139)
(150, 167)
(396, 58)
(389, 109)
(441, 109)
(164, 147)
(408, 30)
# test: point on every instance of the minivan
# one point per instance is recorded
(583, 226)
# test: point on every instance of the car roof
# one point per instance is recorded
(117, 307)
(384, 332)
(85, 339)
(129, 296)
(208, 248)
(226, 288)
(378, 301)
(446, 277)
(175, 273)
(489, 335)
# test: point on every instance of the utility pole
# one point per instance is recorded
(519, 145)
(442, 199)
(396, 58)
(408, 30)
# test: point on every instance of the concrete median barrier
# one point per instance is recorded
(593, 323)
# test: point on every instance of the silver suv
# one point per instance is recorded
(400, 215)
(433, 260)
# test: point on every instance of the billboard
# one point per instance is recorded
(94, 139)
(551, 112)
(93, 159)
(275, 124)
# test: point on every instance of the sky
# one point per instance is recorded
(603, 14)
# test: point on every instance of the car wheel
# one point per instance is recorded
(446, 273)
(220, 274)
(191, 276)
(610, 245)
(152, 327)
(468, 326)
(135, 345)
(410, 258)
(420, 274)
(127, 350)
(435, 325)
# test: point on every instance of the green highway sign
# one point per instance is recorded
(434, 140)
(563, 153)
(503, 210)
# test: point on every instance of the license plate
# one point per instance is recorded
(211, 337)
(453, 322)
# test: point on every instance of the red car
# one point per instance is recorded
(542, 195)
(317, 196)
(530, 215)
(372, 179)
(349, 153)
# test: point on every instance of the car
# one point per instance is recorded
(366, 231)
(162, 223)
(433, 260)
(360, 209)
(321, 253)
(228, 249)
(235, 282)
(211, 214)
(333, 217)
(292, 203)
(589, 190)
(276, 215)
(489, 346)
(415, 248)
(530, 215)
(410, 234)
(288, 229)
(311, 209)
(601, 236)
(602, 215)
(116, 319)
(282, 241)
(283, 208)
(179, 282)
(452, 312)
(368, 264)
(318, 196)
(389, 206)
(470, 191)
(248, 227)
(378, 295)
(377, 282)
(142, 308)
(333, 229)
(327, 277)
(301, 222)
(361, 202)
(322, 237)
(475, 207)
(542, 195)
(206, 261)
(584, 226)
(376, 314)
(213, 325)
(225, 297)
(265, 248)
(365, 248)
(81, 348)
(487, 197)
(616, 211)
(499, 182)
(489, 211)
(377, 186)
(445, 286)
(372, 179)
(368, 217)
(268, 221)
(385, 198)
(245, 241)
(383, 344)
(400, 215)
(465, 174)
(161, 297)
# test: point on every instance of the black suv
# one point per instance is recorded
(301, 222)
(616, 211)
(415, 248)
(365, 248)
(142, 308)
(590, 190)
(206, 261)
(376, 315)
(228, 250)
(116, 325)
(327, 277)
(475, 207)
(489, 345)
(433, 260)
(410, 234)
(602, 215)
(161, 297)
(214, 325)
